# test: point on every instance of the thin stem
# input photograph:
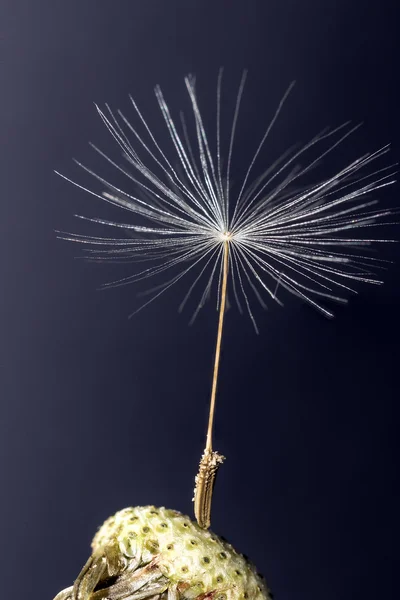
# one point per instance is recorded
(218, 347)
(211, 460)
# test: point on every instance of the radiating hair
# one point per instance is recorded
(181, 209)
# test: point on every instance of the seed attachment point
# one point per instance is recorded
(205, 481)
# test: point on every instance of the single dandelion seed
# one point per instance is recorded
(271, 232)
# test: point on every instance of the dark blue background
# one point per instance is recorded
(99, 412)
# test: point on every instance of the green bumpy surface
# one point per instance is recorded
(198, 561)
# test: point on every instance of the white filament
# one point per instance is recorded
(306, 241)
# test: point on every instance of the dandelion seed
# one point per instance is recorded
(306, 241)
(185, 219)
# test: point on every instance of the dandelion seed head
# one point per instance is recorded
(180, 209)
